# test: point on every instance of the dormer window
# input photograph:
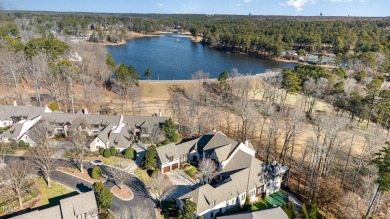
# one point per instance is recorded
(212, 204)
(170, 159)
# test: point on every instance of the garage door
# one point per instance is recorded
(175, 166)
(166, 169)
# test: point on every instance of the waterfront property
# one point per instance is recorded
(240, 174)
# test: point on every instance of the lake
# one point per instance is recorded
(175, 58)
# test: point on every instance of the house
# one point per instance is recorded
(17, 120)
(240, 173)
(121, 134)
(274, 213)
(13, 114)
(82, 206)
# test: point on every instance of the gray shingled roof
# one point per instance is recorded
(146, 122)
(236, 183)
(14, 131)
(79, 204)
(53, 212)
(272, 213)
(241, 160)
(175, 151)
(218, 140)
(31, 112)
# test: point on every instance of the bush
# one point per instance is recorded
(34, 193)
(119, 154)
(96, 173)
(191, 171)
(22, 144)
(107, 153)
(165, 142)
(200, 217)
(112, 150)
(14, 144)
(129, 153)
(101, 151)
(59, 135)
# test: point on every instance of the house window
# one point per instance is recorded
(170, 159)
(97, 140)
(212, 214)
(242, 198)
(252, 193)
(212, 205)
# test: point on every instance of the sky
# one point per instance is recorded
(368, 8)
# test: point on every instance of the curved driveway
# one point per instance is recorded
(141, 200)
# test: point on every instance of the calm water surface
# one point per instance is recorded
(174, 58)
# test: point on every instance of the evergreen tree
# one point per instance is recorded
(223, 76)
(305, 214)
(96, 173)
(129, 153)
(110, 62)
(313, 210)
(112, 151)
(188, 210)
(150, 160)
(107, 153)
(169, 129)
(148, 73)
(103, 195)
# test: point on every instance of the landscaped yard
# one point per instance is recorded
(143, 176)
(190, 170)
(261, 204)
(277, 199)
(39, 196)
(112, 161)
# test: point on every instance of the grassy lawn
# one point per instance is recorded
(277, 199)
(112, 161)
(55, 190)
(143, 176)
(41, 196)
(189, 170)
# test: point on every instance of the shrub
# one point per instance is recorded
(119, 154)
(53, 106)
(34, 193)
(59, 135)
(191, 171)
(129, 153)
(107, 153)
(14, 144)
(101, 151)
(96, 173)
(22, 144)
(112, 150)
(200, 217)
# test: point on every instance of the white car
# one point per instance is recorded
(96, 162)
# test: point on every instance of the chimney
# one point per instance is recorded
(247, 143)
(15, 103)
(159, 113)
(85, 111)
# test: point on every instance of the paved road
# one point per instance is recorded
(141, 200)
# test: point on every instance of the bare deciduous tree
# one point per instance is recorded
(119, 174)
(208, 170)
(17, 177)
(78, 139)
(160, 186)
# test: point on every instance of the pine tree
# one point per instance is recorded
(103, 195)
(150, 160)
(169, 129)
(188, 210)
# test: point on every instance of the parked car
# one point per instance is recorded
(96, 162)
